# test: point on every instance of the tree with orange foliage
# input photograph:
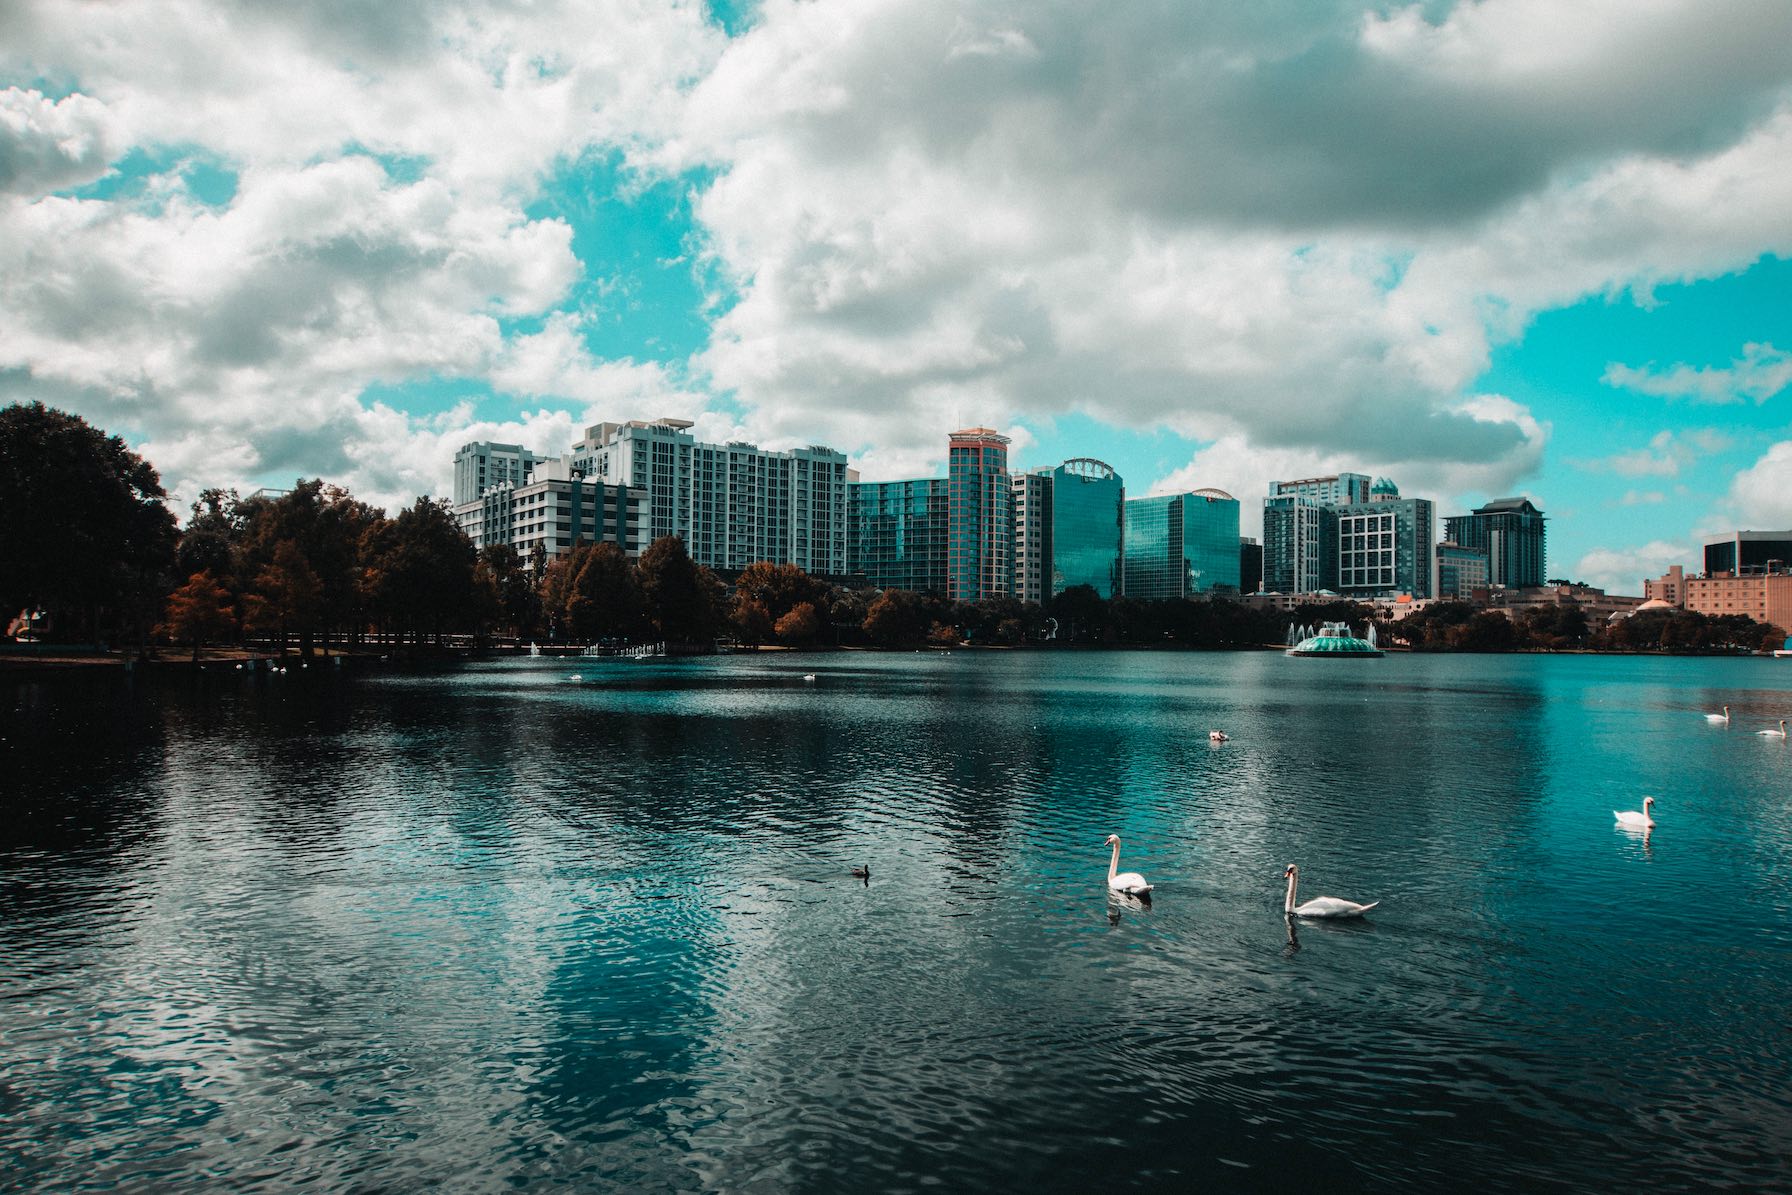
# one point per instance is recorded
(198, 611)
(800, 626)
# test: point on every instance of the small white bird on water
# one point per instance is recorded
(809, 677)
(1775, 734)
(1723, 717)
(1321, 906)
(1129, 882)
(1632, 820)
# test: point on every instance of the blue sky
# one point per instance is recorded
(1483, 248)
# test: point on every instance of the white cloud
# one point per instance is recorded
(1195, 231)
(1759, 374)
(236, 341)
(1762, 493)
(46, 145)
(1291, 232)
(1623, 570)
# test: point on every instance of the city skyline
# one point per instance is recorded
(1487, 250)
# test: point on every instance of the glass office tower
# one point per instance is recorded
(898, 533)
(1088, 526)
(1179, 545)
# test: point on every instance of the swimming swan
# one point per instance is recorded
(1322, 906)
(1723, 717)
(1632, 820)
(1776, 734)
(1129, 882)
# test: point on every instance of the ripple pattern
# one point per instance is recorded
(488, 927)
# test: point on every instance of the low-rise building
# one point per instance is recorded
(1597, 603)
(1460, 570)
(1764, 597)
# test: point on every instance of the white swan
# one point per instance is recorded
(1632, 820)
(1775, 734)
(809, 677)
(1723, 717)
(1320, 906)
(1129, 882)
(1218, 736)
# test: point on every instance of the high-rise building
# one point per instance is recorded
(1299, 538)
(899, 534)
(1180, 545)
(732, 504)
(1295, 546)
(1742, 553)
(483, 464)
(1250, 565)
(1511, 532)
(980, 503)
(1088, 526)
(1385, 546)
(1033, 534)
(1336, 489)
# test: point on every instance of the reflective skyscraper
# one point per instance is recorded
(1088, 526)
(1179, 545)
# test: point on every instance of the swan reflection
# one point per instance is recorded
(1119, 902)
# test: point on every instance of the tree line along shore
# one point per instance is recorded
(87, 537)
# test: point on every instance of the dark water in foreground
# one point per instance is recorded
(493, 928)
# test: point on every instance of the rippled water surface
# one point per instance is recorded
(493, 927)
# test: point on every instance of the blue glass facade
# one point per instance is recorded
(1179, 545)
(1088, 523)
(898, 533)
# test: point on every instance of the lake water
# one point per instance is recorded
(491, 927)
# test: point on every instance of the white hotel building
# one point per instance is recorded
(631, 483)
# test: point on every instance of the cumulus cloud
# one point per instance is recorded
(46, 145)
(1292, 233)
(1302, 230)
(1762, 493)
(1623, 570)
(1759, 374)
(382, 159)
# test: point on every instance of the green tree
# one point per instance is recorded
(208, 542)
(603, 599)
(679, 595)
(1082, 615)
(419, 571)
(505, 594)
(83, 529)
(199, 611)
